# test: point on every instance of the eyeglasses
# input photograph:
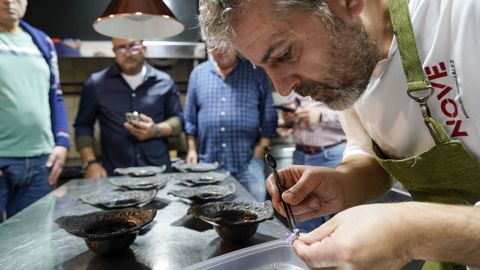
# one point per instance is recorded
(132, 48)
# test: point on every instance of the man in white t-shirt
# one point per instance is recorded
(345, 54)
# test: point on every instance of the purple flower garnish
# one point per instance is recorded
(292, 236)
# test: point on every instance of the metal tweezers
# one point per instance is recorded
(288, 210)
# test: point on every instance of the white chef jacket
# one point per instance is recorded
(448, 38)
(447, 33)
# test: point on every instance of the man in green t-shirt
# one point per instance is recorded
(33, 121)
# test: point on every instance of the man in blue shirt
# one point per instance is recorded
(33, 120)
(131, 85)
(229, 113)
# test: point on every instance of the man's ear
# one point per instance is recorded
(355, 7)
(350, 8)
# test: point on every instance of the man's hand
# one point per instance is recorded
(143, 129)
(309, 116)
(192, 157)
(259, 152)
(55, 162)
(95, 171)
(363, 237)
(312, 191)
(260, 149)
(303, 115)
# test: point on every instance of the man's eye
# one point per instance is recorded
(285, 56)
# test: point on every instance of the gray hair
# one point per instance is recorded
(217, 16)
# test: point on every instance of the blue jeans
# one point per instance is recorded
(330, 157)
(253, 179)
(22, 182)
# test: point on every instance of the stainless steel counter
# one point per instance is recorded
(31, 239)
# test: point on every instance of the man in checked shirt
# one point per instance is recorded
(319, 139)
(229, 118)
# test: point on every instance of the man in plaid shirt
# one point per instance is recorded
(229, 116)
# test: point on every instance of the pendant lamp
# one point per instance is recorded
(138, 19)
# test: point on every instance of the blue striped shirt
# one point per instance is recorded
(229, 116)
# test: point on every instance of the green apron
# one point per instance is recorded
(447, 173)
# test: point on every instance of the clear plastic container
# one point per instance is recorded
(273, 255)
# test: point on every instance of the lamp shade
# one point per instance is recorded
(138, 19)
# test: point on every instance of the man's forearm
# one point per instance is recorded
(170, 127)
(191, 143)
(174, 126)
(365, 179)
(57, 106)
(448, 233)
(84, 142)
(87, 153)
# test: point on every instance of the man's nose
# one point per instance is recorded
(283, 81)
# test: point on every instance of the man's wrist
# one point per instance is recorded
(158, 131)
(87, 163)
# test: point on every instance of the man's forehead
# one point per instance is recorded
(255, 41)
(254, 29)
(258, 11)
(124, 41)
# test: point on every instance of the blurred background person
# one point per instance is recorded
(318, 137)
(34, 137)
(131, 85)
(229, 118)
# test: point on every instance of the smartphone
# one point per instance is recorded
(285, 108)
(130, 116)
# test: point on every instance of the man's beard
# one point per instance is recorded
(131, 66)
(334, 96)
(353, 57)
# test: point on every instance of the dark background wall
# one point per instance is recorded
(73, 18)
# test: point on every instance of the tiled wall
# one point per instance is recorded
(75, 71)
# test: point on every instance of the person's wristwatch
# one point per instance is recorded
(158, 131)
(90, 162)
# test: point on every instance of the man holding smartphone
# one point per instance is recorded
(129, 89)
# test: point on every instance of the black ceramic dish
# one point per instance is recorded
(235, 221)
(204, 193)
(199, 167)
(151, 182)
(195, 179)
(107, 232)
(120, 199)
(141, 171)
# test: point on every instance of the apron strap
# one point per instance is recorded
(402, 27)
(416, 79)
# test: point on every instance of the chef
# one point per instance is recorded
(404, 76)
